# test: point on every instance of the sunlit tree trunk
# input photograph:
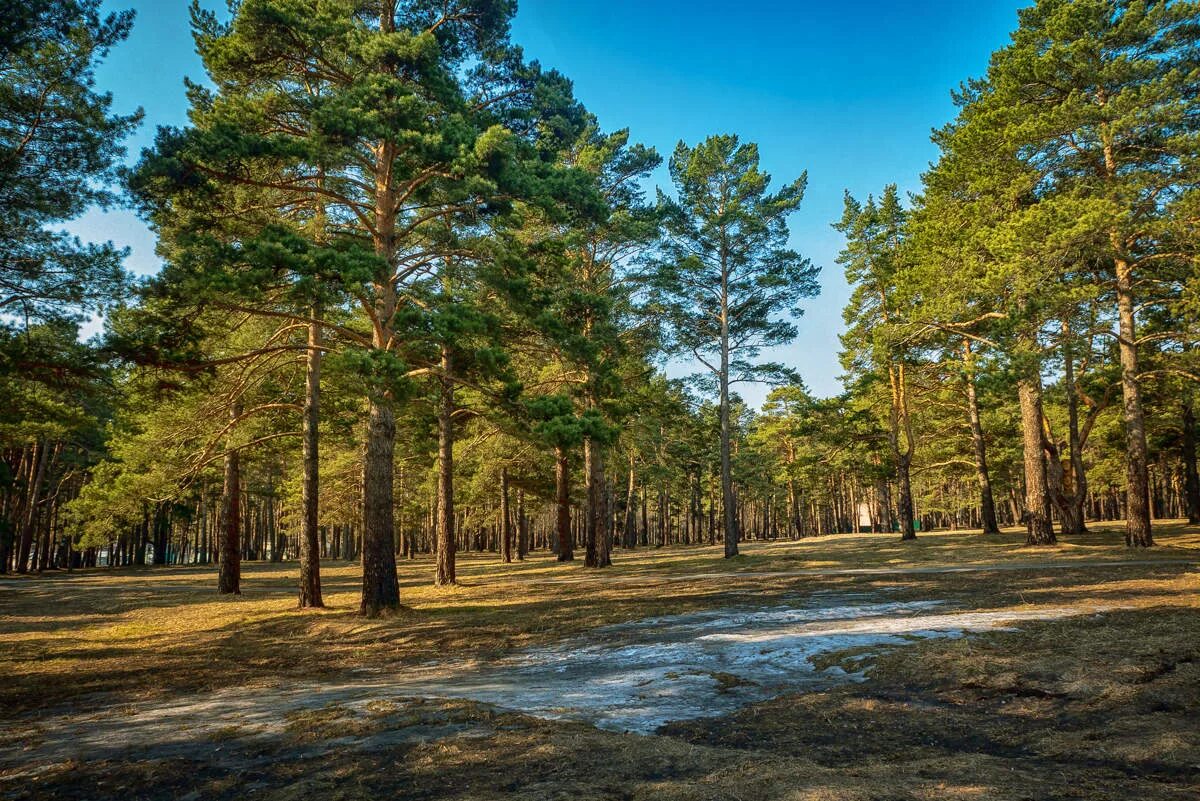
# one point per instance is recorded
(310, 550)
(987, 503)
(446, 544)
(598, 551)
(1191, 477)
(562, 485)
(505, 518)
(1038, 526)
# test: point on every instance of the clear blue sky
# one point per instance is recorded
(848, 91)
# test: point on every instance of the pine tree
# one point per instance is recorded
(450, 137)
(726, 276)
(1098, 98)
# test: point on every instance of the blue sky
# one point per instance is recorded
(848, 91)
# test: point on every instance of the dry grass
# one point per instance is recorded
(1099, 706)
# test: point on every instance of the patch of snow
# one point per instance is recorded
(637, 676)
(631, 677)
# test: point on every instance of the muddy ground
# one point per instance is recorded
(838, 669)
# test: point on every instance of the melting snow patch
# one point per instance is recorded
(637, 676)
(629, 677)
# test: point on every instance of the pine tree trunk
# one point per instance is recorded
(562, 494)
(904, 499)
(505, 518)
(987, 503)
(37, 472)
(1039, 529)
(1068, 488)
(229, 576)
(1137, 525)
(1191, 476)
(446, 544)
(380, 587)
(728, 501)
(631, 508)
(902, 456)
(310, 547)
(598, 550)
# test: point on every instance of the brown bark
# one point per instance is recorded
(229, 575)
(522, 526)
(505, 518)
(1038, 526)
(631, 507)
(901, 427)
(1137, 524)
(446, 545)
(1068, 482)
(562, 486)
(728, 501)
(987, 503)
(380, 587)
(310, 547)
(1191, 477)
(37, 473)
(598, 550)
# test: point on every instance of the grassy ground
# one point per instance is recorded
(1097, 706)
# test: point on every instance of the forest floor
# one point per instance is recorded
(845, 667)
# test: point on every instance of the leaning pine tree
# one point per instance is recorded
(726, 279)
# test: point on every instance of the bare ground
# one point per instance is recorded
(1102, 703)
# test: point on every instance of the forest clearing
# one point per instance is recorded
(603, 399)
(145, 685)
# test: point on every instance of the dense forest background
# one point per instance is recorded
(417, 299)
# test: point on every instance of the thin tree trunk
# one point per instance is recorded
(987, 503)
(631, 508)
(505, 518)
(229, 576)
(37, 472)
(446, 546)
(1191, 477)
(562, 486)
(522, 527)
(901, 426)
(310, 547)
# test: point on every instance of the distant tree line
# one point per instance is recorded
(415, 300)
